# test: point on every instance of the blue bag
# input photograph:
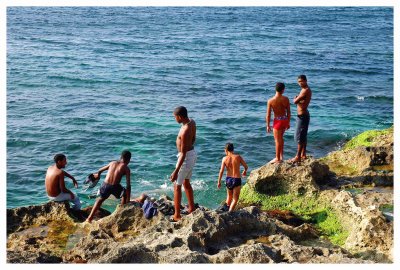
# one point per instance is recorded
(149, 209)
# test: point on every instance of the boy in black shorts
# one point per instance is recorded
(233, 181)
(111, 185)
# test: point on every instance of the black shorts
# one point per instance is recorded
(232, 182)
(302, 122)
(106, 190)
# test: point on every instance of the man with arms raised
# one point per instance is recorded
(303, 118)
(55, 185)
(111, 185)
(186, 159)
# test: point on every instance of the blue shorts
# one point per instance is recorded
(106, 190)
(302, 123)
(232, 182)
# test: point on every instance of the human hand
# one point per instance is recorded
(269, 129)
(244, 173)
(174, 176)
(96, 176)
(219, 184)
(75, 183)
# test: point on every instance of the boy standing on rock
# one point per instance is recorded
(233, 181)
(281, 107)
(55, 185)
(111, 185)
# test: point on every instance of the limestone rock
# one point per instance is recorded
(274, 179)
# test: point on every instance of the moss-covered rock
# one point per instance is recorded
(311, 208)
(374, 138)
(366, 159)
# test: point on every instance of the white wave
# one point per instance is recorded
(360, 98)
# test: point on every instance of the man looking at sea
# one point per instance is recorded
(187, 157)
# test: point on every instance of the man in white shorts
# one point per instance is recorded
(55, 185)
(186, 160)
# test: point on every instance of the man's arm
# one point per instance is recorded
(244, 164)
(128, 184)
(300, 97)
(105, 168)
(182, 156)
(73, 179)
(221, 172)
(268, 117)
(62, 186)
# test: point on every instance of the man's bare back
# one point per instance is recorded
(52, 182)
(279, 105)
(187, 133)
(116, 170)
(232, 163)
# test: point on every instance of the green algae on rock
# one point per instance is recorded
(370, 138)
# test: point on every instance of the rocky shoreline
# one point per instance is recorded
(336, 209)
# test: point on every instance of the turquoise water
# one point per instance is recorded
(90, 82)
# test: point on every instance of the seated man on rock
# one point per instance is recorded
(55, 185)
(111, 185)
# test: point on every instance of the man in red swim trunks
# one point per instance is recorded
(281, 107)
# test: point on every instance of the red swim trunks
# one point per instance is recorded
(281, 123)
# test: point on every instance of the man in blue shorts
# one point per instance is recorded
(303, 118)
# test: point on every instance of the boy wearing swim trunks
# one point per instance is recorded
(233, 181)
(280, 105)
(111, 185)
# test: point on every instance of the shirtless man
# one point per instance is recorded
(233, 179)
(111, 185)
(55, 185)
(303, 118)
(281, 107)
(186, 160)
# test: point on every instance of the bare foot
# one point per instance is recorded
(174, 219)
(273, 161)
(294, 160)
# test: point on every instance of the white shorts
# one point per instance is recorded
(67, 197)
(187, 167)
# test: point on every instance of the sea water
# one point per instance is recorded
(92, 81)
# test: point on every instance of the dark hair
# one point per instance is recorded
(59, 157)
(302, 77)
(181, 111)
(229, 147)
(280, 86)
(126, 155)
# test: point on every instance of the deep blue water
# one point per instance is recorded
(92, 81)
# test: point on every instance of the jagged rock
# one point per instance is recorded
(370, 233)
(274, 179)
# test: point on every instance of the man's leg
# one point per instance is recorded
(96, 206)
(229, 195)
(76, 202)
(177, 201)
(236, 193)
(189, 194)
(280, 140)
(303, 151)
(277, 145)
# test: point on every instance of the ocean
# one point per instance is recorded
(90, 82)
